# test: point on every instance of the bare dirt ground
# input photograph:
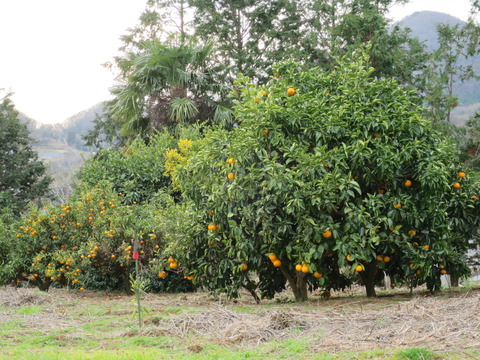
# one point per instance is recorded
(448, 321)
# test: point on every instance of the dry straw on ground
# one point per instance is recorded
(14, 297)
(436, 323)
(449, 321)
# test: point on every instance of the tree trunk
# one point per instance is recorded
(453, 280)
(368, 279)
(182, 23)
(43, 285)
(298, 284)
(126, 283)
(250, 287)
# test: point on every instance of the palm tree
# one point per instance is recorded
(165, 84)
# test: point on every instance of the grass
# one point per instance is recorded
(70, 327)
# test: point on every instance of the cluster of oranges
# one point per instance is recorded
(173, 263)
(275, 261)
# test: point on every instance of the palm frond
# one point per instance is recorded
(182, 110)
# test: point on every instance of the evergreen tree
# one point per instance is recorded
(22, 174)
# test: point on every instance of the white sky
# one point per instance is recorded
(52, 50)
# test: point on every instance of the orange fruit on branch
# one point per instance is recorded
(327, 234)
(277, 263)
(291, 91)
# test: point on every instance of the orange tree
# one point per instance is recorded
(84, 243)
(111, 228)
(43, 247)
(327, 178)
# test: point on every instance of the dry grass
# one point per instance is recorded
(445, 322)
(15, 297)
(439, 323)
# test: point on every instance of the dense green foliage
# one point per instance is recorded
(22, 174)
(338, 171)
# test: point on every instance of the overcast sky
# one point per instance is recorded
(52, 50)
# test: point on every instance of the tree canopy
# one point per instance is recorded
(22, 175)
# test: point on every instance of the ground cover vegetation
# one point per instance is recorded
(261, 147)
(69, 324)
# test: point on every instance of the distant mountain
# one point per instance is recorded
(68, 132)
(61, 145)
(423, 26)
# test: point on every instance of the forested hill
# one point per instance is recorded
(423, 26)
(61, 145)
(69, 132)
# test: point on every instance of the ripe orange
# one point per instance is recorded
(291, 91)
(386, 259)
(256, 100)
(397, 206)
(173, 265)
(277, 263)
(407, 183)
(418, 272)
(231, 161)
(359, 268)
(474, 197)
(272, 257)
(461, 174)
(443, 271)
(265, 132)
(231, 176)
(162, 274)
(81, 289)
(298, 267)
(317, 275)
(348, 258)
(456, 185)
(305, 268)
(264, 93)
(379, 258)
(243, 267)
(426, 247)
(171, 260)
(327, 233)
(442, 267)
(212, 227)
(412, 232)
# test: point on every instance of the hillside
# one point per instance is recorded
(423, 26)
(61, 145)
